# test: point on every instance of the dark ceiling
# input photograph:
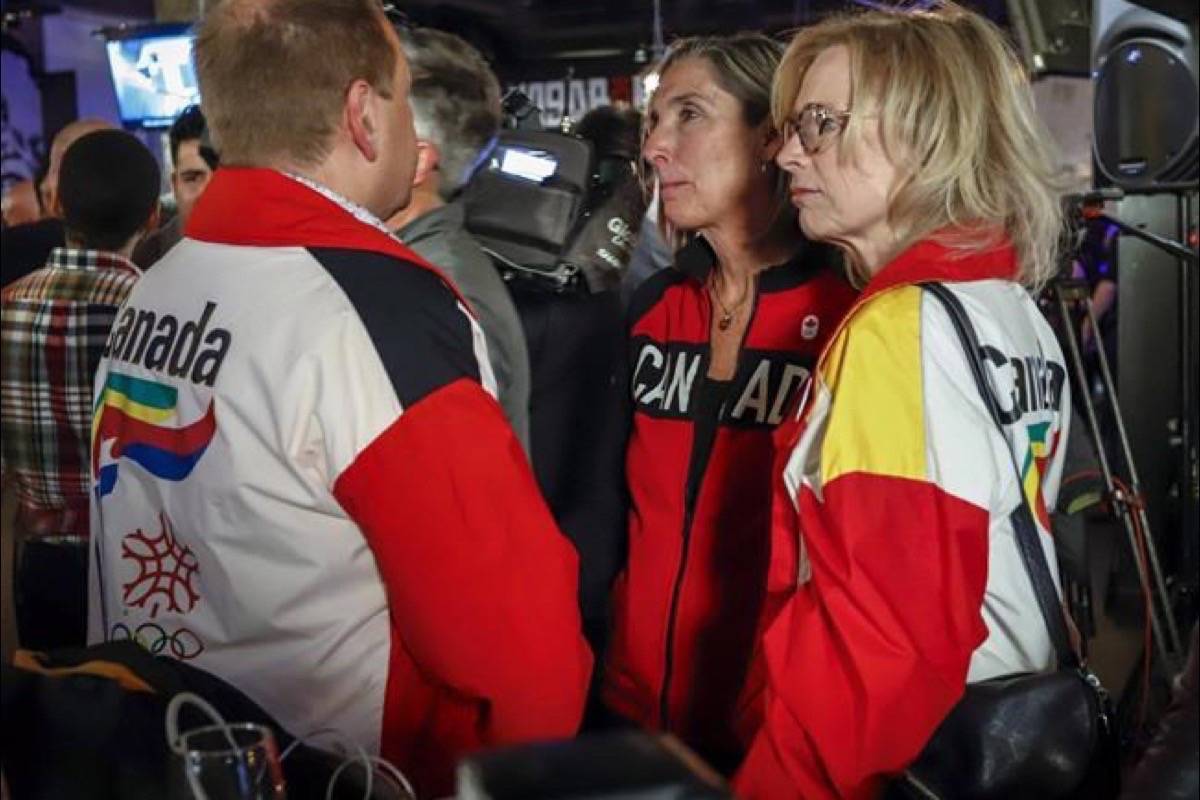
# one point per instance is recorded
(527, 36)
(542, 31)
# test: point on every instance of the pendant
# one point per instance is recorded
(725, 321)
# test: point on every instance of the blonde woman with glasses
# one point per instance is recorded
(911, 143)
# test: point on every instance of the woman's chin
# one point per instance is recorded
(813, 230)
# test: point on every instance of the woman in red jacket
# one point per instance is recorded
(719, 349)
(896, 578)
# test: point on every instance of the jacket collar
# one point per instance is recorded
(70, 258)
(697, 260)
(930, 260)
(264, 208)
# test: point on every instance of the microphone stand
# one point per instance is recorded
(1165, 631)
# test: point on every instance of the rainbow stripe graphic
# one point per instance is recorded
(134, 415)
(1034, 468)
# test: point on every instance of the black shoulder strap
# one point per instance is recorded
(1024, 527)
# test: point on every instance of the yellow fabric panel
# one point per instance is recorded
(112, 397)
(123, 675)
(137, 410)
(873, 371)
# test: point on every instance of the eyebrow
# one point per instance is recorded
(796, 104)
(689, 96)
(675, 101)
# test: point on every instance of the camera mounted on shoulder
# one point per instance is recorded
(556, 210)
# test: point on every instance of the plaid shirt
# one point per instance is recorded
(54, 327)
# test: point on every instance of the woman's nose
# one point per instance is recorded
(656, 146)
(791, 156)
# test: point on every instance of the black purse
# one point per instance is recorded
(1034, 735)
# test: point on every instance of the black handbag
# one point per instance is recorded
(1033, 735)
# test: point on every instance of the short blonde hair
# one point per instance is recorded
(954, 102)
(273, 74)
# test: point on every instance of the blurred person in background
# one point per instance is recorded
(911, 142)
(24, 248)
(192, 163)
(56, 323)
(456, 112)
(719, 349)
(21, 204)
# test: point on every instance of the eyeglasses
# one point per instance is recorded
(816, 125)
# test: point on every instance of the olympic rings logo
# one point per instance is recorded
(183, 644)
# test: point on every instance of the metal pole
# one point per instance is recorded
(1190, 479)
(1135, 483)
(1118, 498)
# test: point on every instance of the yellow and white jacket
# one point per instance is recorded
(895, 577)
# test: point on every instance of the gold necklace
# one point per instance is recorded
(727, 313)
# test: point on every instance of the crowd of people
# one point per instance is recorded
(303, 435)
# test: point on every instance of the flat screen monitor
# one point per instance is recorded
(154, 76)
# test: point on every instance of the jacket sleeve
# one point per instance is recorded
(871, 652)
(481, 585)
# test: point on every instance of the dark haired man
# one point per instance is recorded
(192, 163)
(55, 323)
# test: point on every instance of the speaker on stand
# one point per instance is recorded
(1146, 115)
(1146, 121)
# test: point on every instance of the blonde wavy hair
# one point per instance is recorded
(956, 115)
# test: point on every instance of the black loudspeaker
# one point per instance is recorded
(1146, 115)
(1053, 35)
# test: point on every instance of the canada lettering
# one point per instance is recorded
(1037, 384)
(159, 342)
(663, 380)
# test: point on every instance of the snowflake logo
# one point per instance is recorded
(166, 571)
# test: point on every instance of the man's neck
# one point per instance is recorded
(423, 201)
(329, 176)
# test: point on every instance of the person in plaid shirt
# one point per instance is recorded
(54, 328)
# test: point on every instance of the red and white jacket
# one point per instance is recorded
(895, 579)
(301, 485)
(685, 607)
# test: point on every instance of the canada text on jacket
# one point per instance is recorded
(158, 342)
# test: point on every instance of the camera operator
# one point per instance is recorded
(456, 111)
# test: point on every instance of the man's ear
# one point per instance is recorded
(429, 159)
(360, 120)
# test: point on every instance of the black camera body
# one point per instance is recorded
(553, 209)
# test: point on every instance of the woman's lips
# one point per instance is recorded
(672, 187)
(800, 194)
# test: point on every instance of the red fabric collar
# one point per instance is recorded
(928, 260)
(264, 208)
